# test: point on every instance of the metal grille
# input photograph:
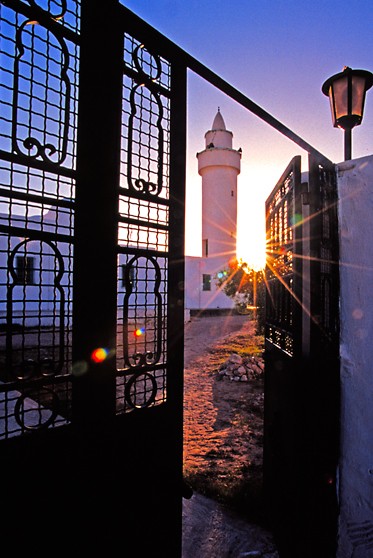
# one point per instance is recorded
(38, 117)
(143, 229)
(281, 220)
(329, 257)
(324, 245)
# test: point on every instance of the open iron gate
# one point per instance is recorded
(92, 268)
(92, 278)
(301, 437)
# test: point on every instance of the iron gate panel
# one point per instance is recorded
(283, 334)
(143, 228)
(302, 366)
(95, 212)
(284, 266)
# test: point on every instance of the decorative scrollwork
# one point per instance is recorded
(51, 105)
(141, 397)
(145, 187)
(59, 15)
(48, 260)
(30, 414)
(136, 352)
(155, 145)
(146, 156)
(142, 58)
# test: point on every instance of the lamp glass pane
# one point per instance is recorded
(331, 101)
(358, 92)
(340, 88)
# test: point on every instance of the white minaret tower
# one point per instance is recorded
(219, 165)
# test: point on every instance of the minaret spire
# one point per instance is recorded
(219, 165)
(218, 123)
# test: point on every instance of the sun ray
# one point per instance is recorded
(296, 298)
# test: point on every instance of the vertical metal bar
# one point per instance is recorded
(176, 280)
(94, 318)
(315, 235)
(297, 259)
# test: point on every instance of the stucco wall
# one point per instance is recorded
(195, 297)
(355, 185)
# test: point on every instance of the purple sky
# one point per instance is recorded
(278, 53)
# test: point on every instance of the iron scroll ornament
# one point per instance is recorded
(149, 395)
(32, 146)
(44, 366)
(35, 416)
(141, 360)
(155, 142)
(141, 388)
(60, 15)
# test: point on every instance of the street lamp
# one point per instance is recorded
(346, 92)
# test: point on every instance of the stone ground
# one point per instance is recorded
(223, 444)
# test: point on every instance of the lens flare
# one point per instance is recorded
(79, 368)
(296, 219)
(139, 332)
(99, 354)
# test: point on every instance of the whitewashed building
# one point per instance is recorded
(219, 166)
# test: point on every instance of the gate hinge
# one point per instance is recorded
(305, 193)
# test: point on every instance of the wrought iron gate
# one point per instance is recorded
(92, 279)
(92, 267)
(302, 364)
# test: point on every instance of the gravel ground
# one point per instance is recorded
(223, 432)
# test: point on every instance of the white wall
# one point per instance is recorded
(355, 185)
(195, 297)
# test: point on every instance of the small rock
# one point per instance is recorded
(235, 358)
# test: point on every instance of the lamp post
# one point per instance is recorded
(346, 92)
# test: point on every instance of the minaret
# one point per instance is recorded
(219, 165)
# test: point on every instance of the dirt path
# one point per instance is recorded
(201, 333)
(223, 431)
(223, 420)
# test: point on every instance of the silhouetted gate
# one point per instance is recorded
(91, 365)
(302, 363)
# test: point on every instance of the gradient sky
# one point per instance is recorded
(278, 53)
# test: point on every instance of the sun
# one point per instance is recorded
(251, 247)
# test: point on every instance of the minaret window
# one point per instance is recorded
(206, 282)
(205, 247)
